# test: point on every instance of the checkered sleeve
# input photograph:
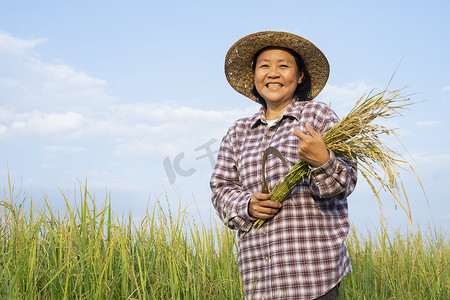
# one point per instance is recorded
(336, 179)
(229, 198)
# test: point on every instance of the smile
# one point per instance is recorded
(274, 85)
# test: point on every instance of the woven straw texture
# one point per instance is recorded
(238, 60)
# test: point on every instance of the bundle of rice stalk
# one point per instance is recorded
(356, 137)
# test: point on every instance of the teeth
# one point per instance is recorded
(270, 85)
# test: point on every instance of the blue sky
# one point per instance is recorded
(112, 93)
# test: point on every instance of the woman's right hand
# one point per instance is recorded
(261, 207)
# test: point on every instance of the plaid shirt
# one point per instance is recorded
(300, 253)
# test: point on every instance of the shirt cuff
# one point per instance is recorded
(325, 170)
(244, 212)
(243, 220)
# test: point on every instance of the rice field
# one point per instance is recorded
(87, 251)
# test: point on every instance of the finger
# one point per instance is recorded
(263, 209)
(266, 215)
(271, 204)
(268, 210)
(265, 212)
(300, 134)
(261, 196)
(311, 131)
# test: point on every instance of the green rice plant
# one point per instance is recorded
(398, 265)
(87, 251)
(358, 138)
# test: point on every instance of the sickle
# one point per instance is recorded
(274, 151)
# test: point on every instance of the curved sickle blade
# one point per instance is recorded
(274, 151)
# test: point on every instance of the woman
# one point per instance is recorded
(299, 252)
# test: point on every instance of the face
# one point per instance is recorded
(276, 76)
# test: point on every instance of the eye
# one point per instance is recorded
(263, 66)
(284, 66)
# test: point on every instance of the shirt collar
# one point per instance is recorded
(293, 110)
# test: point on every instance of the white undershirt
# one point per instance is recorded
(271, 122)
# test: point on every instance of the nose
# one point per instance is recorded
(273, 73)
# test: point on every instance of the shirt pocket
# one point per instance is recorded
(289, 149)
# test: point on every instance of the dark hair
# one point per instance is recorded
(303, 91)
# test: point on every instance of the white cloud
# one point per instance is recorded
(54, 100)
(343, 98)
(18, 125)
(429, 123)
(432, 158)
(446, 88)
(43, 123)
(149, 130)
(6, 115)
(3, 130)
(63, 150)
(57, 122)
(29, 83)
(140, 130)
(143, 148)
(16, 46)
(165, 112)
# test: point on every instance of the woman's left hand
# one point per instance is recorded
(312, 148)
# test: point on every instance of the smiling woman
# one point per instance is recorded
(299, 251)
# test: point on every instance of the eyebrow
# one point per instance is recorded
(280, 60)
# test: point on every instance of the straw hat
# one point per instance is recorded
(239, 57)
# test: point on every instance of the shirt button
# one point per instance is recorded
(262, 154)
(267, 258)
(264, 232)
(269, 134)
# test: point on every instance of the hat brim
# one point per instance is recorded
(239, 72)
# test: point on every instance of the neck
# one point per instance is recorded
(275, 111)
